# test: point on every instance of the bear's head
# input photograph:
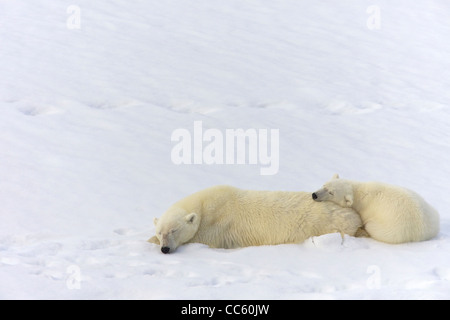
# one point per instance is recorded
(174, 228)
(336, 190)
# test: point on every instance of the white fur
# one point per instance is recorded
(390, 214)
(228, 217)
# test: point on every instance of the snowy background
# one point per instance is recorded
(91, 91)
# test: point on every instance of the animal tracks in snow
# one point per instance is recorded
(345, 107)
(34, 107)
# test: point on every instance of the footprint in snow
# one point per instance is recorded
(345, 107)
(31, 108)
(123, 231)
(97, 244)
(37, 111)
(108, 105)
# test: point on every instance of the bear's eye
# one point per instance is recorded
(331, 193)
(173, 231)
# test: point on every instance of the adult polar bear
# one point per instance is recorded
(390, 214)
(228, 217)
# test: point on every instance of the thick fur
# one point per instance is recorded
(228, 217)
(390, 214)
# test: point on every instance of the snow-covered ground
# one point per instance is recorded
(91, 92)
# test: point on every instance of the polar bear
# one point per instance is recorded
(390, 214)
(228, 217)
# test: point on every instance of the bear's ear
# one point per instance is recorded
(155, 221)
(190, 218)
(348, 200)
(335, 176)
(154, 240)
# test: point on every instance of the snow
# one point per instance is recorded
(90, 94)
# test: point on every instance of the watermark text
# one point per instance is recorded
(231, 146)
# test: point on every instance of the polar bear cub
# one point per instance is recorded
(389, 213)
(228, 217)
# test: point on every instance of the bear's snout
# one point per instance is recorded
(314, 196)
(165, 249)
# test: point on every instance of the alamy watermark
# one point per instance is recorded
(231, 146)
(374, 280)
(74, 19)
(73, 280)
(374, 20)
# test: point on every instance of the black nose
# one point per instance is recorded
(165, 249)
(314, 195)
